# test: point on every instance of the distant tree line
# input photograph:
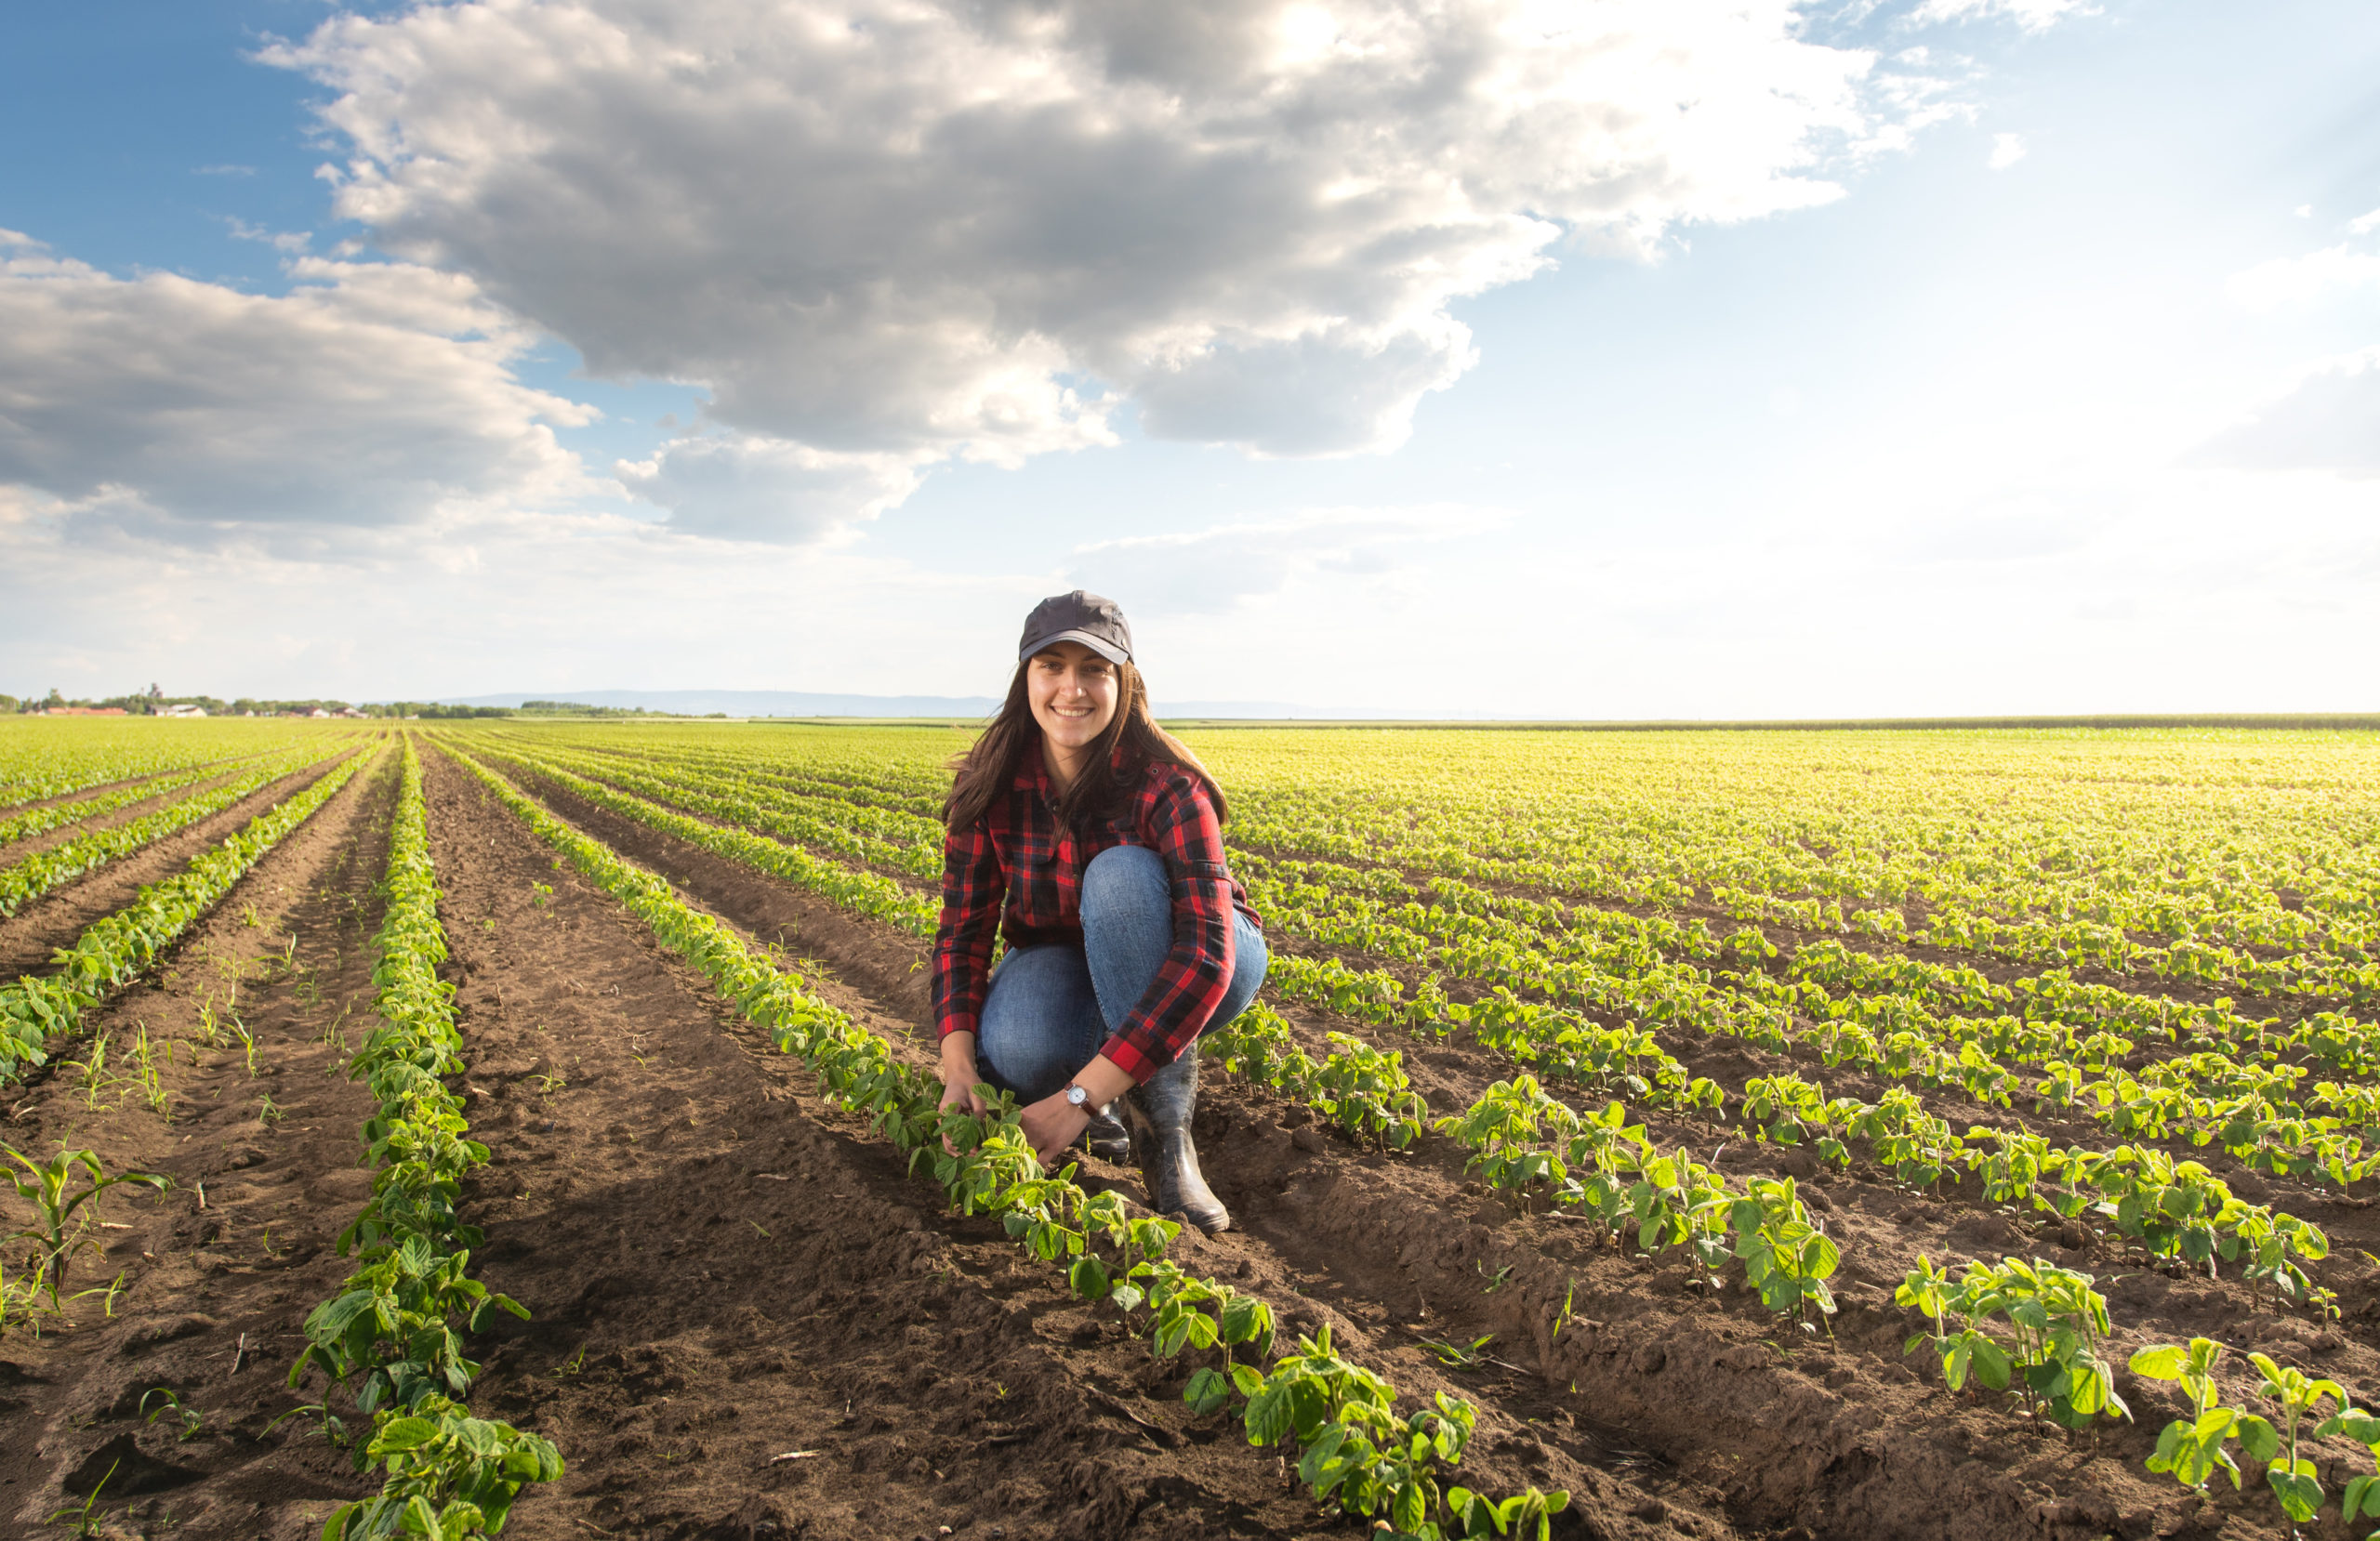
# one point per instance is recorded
(153, 701)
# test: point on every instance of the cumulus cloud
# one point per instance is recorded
(2330, 421)
(1212, 571)
(926, 229)
(745, 487)
(2006, 151)
(366, 395)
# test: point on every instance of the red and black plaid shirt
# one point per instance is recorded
(1020, 853)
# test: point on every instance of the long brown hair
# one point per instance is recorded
(986, 771)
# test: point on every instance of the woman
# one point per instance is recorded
(1101, 835)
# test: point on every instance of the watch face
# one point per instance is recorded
(1077, 1096)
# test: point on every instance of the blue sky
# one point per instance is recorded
(1965, 356)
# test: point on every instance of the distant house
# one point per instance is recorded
(184, 709)
(318, 712)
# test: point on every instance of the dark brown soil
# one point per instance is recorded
(219, 1272)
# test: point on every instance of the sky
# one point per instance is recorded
(1598, 359)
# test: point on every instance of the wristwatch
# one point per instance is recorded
(1076, 1097)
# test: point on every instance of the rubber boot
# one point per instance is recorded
(1159, 1111)
(1108, 1139)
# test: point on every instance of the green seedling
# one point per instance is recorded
(20, 1302)
(107, 1293)
(46, 1186)
(249, 917)
(270, 1113)
(571, 1366)
(248, 1045)
(541, 894)
(210, 1027)
(152, 1084)
(94, 1078)
(84, 1519)
(331, 1427)
(191, 1420)
(1459, 1355)
(1497, 1280)
(2191, 1448)
(2292, 1477)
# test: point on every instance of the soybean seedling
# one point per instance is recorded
(541, 894)
(2191, 1448)
(46, 1188)
(2292, 1478)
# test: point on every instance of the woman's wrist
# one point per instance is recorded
(1104, 1080)
(959, 1056)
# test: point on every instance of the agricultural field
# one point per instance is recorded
(1710, 1135)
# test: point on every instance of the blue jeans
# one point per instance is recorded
(1050, 1007)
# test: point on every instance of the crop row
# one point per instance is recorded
(861, 892)
(115, 950)
(38, 821)
(33, 769)
(839, 828)
(1356, 1451)
(393, 1333)
(37, 874)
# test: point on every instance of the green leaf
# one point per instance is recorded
(1208, 1392)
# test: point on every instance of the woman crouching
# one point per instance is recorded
(1093, 840)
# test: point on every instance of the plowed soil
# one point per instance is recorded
(751, 1322)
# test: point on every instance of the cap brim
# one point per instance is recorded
(1099, 645)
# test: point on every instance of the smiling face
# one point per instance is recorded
(1073, 692)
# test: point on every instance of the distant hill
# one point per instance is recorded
(813, 703)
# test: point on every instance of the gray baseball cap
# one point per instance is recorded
(1098, 624)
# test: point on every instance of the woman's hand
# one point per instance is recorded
(959, 1078)
(1053, 1123)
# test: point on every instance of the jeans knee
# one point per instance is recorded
(1125, 880)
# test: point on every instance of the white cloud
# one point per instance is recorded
(2329, 420)
(366, 395)
(743, 486)
(923, 228)
(2031, 15)
(1213, 570)
(2364, 224)
(2006, 151)
(2287, 280)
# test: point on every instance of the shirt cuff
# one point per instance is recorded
(1130, 1057)
(959, 1021)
